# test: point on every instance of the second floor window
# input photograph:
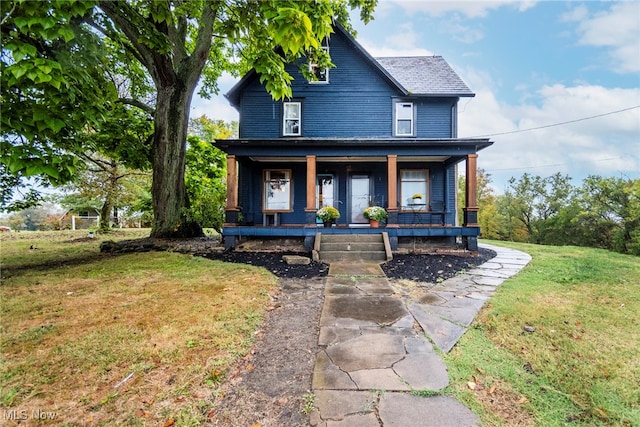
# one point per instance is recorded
(321, 73)
(404, 119)
(291, 119)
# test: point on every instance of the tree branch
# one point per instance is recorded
(198, 58)
(122, 15)
(136, 103)
(114, 37)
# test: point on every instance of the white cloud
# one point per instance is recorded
(217, 107)
(469, 8)
(606, 146)
(400, 43)
(461, 32)
(617, 29)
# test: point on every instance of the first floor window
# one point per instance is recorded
(291, 119)
(413, 188)
(277, 190)
(404, 119)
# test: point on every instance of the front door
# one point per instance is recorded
(360, 196)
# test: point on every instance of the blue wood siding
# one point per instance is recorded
(433, 118)
(357, 102)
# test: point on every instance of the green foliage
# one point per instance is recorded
(602, 213)
(614, 202)
(58, 98)
(206, 170)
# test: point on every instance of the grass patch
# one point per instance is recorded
(128, 339)
(579, 366)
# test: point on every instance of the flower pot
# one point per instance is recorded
(374, 223)
(328, 223)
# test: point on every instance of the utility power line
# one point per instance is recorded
(557, 124)
(556, 165)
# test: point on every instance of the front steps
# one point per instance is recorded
(352, 247)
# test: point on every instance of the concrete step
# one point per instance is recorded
(336, 238)
(352, 256)
(352, 246)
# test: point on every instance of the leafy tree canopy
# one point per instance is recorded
(57, 54)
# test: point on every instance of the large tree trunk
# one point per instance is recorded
(175, 74)
(169, 145)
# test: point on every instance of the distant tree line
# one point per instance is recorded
(602, 212)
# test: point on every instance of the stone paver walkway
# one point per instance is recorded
(376, 362)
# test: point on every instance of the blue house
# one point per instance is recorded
(371, 131)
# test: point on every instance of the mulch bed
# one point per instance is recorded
(420, 267)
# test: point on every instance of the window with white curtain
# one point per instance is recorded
(414, 183)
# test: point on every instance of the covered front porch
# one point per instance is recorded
(274, 189)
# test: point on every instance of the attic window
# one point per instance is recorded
(404, 119)
(291, 119)
(321, 74)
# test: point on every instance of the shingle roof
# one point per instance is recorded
(425, 75)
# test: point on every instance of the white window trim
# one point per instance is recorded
(397, 119)
(285, 118)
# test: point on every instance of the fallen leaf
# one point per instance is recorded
(475, 379)
(89, 420)
(255, 425)
(180, 399)
(472, 385)
(249, 367)
(491, 389)
(601, 412)
(168, 423)
(523, 400)
(480, 370)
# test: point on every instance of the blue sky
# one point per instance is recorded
(531, 64)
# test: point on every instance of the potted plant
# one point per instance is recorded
(375, 214)
(328, 215)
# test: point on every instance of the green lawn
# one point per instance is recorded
(581, 364)
(134, 339)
